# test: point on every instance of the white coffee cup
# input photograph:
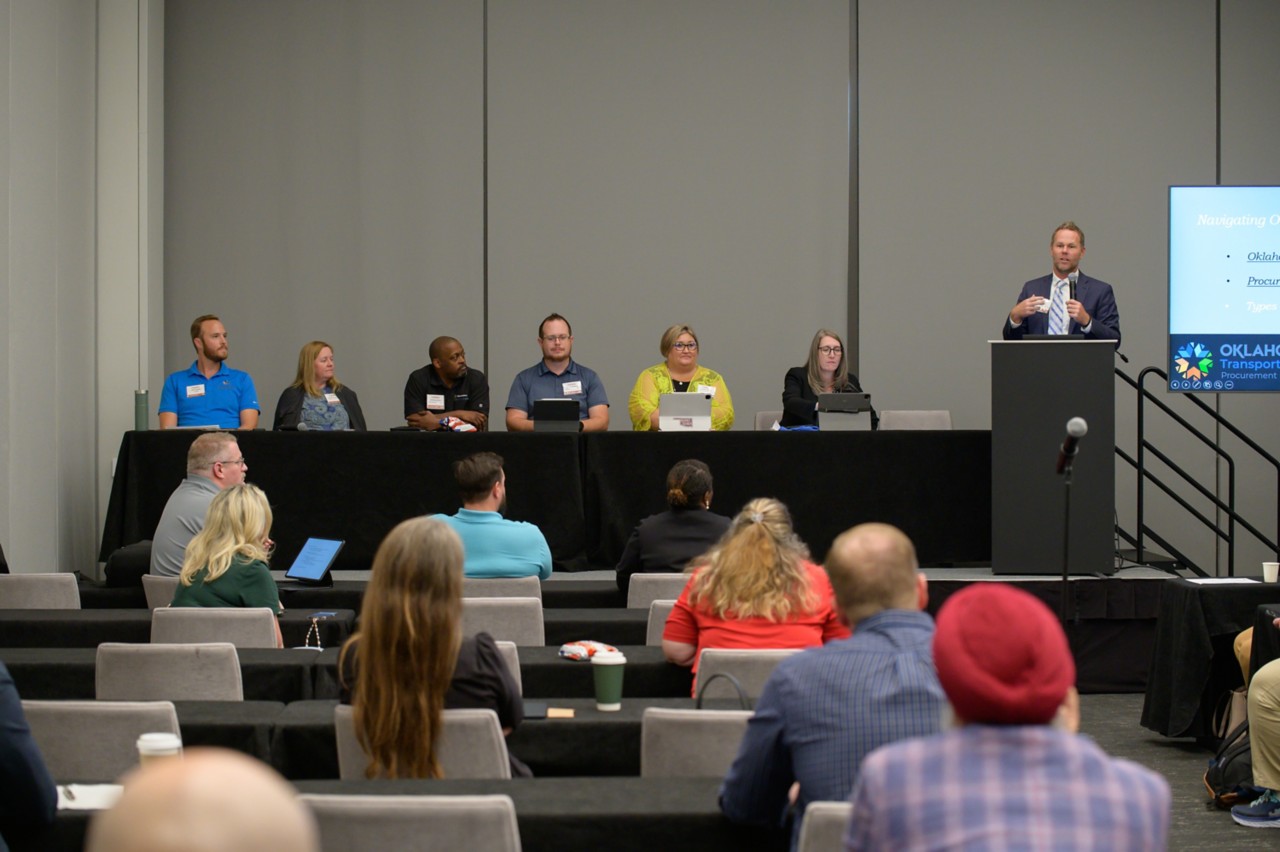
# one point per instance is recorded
(158, 746)
(1270, 571)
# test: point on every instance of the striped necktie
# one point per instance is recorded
(1058, 308)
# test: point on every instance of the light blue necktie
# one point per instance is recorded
(1058, 309)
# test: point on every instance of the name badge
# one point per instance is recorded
(435, 400)
(711, 389)
(331, 398)
(195, 390)
(570, 388)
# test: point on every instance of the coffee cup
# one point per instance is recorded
(1270, 571)
(158, 747)
(607, 668)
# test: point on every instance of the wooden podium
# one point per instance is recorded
(1036, 387)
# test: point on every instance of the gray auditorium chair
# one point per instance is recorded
(39, 591)
(502, 587)
(417, 823)
(95, 741)
(244, 627)
(159, 590)
(516, 620)
(897, 420)
(471, 745)
(511, 656)
(766, 419)
(751, 667)
(823, 826)
(196, 672)
(682, 743)
(658, 612)
(647, 588)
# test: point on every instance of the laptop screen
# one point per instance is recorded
(314, 559)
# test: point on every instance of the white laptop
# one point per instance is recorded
(684, 412)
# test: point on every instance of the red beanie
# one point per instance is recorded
(1002, 657)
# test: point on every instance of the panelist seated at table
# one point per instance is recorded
(446, 394)
(667, 541)
(557, 376)
(494, 546)
(826, 371)
(226, 563)
(209, 393)
(317, 401)
(409, 660)
(679, 373)
(1066, 301)
(757, 589)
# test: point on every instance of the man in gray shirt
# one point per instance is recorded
(214, 462)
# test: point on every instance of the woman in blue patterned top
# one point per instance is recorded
(317, 401)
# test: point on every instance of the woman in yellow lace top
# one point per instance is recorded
(680, 373)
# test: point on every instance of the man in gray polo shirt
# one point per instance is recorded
(214, 462)
(557, 376)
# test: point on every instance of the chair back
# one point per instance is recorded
(647, 588)
(244, 627)
(751, 667)
(766, 419)
(823, 826)
(159, 590)
(511, 656)
(428, 823)
(938, 419)
(680, 743)
(658, 612)
(471, 745)
(502, 587)
(194, 672)
(95, 741)
(517, 620)
(39, 591)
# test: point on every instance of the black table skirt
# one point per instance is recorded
(88, 628)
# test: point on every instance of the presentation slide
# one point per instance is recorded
(1224, 288)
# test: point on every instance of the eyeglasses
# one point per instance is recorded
(830, 350)
(239, 461)
(556, 338)
(685, 347)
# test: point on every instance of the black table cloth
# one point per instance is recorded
(87, 628)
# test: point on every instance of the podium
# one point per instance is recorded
(1036, 387)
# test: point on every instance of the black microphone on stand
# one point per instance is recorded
(1076, 429)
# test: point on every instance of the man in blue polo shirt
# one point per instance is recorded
(209, 393)
(493, 546)
(557, 376)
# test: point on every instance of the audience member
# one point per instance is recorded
(557, 376)
(226, 562)
(209, 393)
(757, 589)
(1012, 773)
(678, 373)
(30, 799)
(494, 546)
(409, 660)
(1264, 748)
(667, 541)
(211, 800)
(317, 401)
(446, 388)
(823, 710)
(214, 462)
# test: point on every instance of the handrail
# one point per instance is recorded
(1228, 507)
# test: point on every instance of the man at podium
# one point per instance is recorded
(1066, 301)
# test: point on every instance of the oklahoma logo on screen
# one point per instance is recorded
(1193, 362)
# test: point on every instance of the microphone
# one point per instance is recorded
(1071, 283)
(1076, 429)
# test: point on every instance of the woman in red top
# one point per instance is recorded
(755, 589)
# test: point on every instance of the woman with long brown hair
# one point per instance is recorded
(409, 660)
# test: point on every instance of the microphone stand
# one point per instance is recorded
(1067, 468)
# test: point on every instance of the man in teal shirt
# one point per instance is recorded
(492, 545)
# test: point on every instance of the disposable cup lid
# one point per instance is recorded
(608, 658)
(159, 742)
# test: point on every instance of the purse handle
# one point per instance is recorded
(733, 681)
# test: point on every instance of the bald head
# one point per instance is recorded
(873, 568)
(210, 800)
(437, 347)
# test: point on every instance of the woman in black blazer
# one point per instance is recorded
(826, 372)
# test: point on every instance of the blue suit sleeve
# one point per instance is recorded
(1105, 317)
(29, 795)
(755, 790)
(1010, 332)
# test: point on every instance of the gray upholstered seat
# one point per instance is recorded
(516, 620)
(823, 826)
(159, 590)
(679, 743)
(471, 745)
(418, 823)
(646, 588)
(658, 612)
(766, 419)
(502, 587)
(511, 656)
(751, 667)
(95, 741)
(193, 672)
(244, 627)
(39, 591)
(937, 419)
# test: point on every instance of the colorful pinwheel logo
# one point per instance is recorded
(1193, 362)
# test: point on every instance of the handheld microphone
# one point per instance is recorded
(1071, 283)
(1076, 429)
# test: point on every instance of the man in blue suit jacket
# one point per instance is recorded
(1091, 308)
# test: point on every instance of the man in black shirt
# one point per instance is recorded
(446, 388)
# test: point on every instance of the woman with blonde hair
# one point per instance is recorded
(678, 373)
(317, 401)
(757, 589)
(225, 564)
(409, 660)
